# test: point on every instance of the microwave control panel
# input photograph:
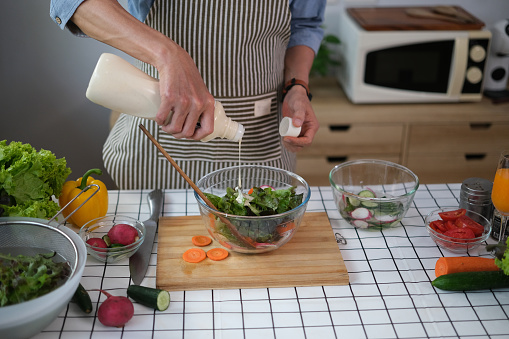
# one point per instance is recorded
(478, 52)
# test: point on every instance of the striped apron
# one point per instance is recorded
(239, 48)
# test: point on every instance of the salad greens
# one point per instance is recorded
(23, 278)
(28, 180)
(501, 253)
(259, 202)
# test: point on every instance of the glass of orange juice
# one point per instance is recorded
(500, 191)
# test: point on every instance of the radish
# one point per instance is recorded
(123, 234)
(97, 242)
(386, 218)
(267, 186)
(360, 223)
(361, 213)
(115, 311)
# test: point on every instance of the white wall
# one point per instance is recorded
(44, 73)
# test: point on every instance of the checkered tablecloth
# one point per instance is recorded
(389, 296)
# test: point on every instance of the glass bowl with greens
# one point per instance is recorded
(373, 194)
(261, 215)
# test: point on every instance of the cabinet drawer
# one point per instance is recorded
(451, 168)
(356, 139)
(459, 137)
(315, 169)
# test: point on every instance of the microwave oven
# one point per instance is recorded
(398, 66)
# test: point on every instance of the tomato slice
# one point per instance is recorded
(450, 225)
(438, 225)
(460, 233)
(467, 222)
(452, 215)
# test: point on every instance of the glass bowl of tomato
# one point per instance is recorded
(261, 215)
(373, 194)
(457, 229)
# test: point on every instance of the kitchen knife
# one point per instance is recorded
(138, 262)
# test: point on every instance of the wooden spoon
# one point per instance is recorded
(196, 189)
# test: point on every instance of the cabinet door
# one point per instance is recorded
(451, 168)
(459, 137)
(343, 140)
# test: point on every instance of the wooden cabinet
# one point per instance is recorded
(441, 143)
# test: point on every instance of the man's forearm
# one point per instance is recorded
(298, 62)
(107, 21)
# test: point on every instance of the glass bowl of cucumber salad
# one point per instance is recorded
(373, 194)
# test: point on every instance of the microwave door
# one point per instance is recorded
(420, 67)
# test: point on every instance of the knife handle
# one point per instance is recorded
(155, 203)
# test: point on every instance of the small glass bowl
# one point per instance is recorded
(454, 244)
(97, 228)
(373, 194)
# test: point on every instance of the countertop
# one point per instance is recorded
(389, 296)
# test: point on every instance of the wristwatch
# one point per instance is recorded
(295, 82)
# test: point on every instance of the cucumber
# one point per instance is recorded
(367, 194)
(82, 298)
(353, 201)
(151, 297)
(471, 281)
(107, 240)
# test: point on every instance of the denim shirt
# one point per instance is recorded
(307, 16)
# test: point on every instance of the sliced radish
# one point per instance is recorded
(361, 213)
(360, 223)
(267, 186)
(386, 218)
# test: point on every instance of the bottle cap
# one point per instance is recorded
(287, 129)
(239, 133)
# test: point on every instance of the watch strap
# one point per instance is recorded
(296, 82)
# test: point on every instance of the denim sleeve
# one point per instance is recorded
(61, 12)
(307, 17)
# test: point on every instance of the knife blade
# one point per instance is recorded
(138, 262)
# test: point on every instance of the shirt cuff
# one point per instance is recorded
(310, 37)
(61, 12)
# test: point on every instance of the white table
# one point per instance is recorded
(389, 296)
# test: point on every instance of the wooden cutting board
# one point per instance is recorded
(396, 18)
(310, 258)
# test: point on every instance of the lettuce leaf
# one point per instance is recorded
(30, 178)
(262, 201)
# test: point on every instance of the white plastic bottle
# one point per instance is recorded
(120, 86)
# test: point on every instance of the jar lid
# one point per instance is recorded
(477, 187)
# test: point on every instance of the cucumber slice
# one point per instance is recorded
(366, 194)
(151, 297)
(353, 201)
(369, 204)
(115, 245)
(107, 240)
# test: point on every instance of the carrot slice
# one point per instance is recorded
(201, 240)
(194, 255)
(251, 190)
(447, 265)
(217, 254)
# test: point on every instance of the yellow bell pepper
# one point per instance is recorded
(96, 207)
